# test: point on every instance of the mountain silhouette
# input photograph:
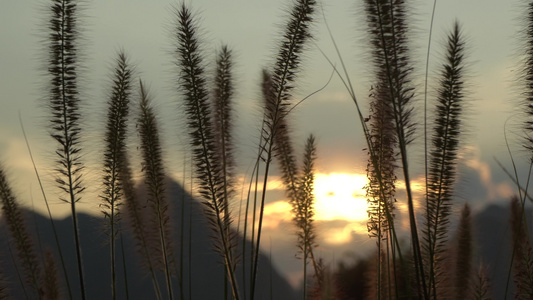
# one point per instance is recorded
(494, 245)
(206, 277)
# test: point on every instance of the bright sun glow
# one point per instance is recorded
(340, 196)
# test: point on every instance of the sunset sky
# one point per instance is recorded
(251, 28)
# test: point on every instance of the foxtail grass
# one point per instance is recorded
(343, 74)
(278, 93)
(298, 184)
(21, 238)
(481, 288)
(137, 223)
(52, 223)
(208, 167)
(154, 178)
(51, 287)
(388, 31)
(304, 212)
(17, 271)
(114, 155)
(527, 76)
(388, 132)
(222, 123)
(523, 252)
(462, 279)
(64, 104)
(521, 256)
(381, 188)
(443, 155)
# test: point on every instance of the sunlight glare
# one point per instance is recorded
(340, 196)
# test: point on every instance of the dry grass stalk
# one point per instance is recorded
(278, 84)
(303, 210)
(381, 189)
(523, 252)
(527, 75)
(209, 169)
(222, 123)
(64, 102)
(481, 289)
(154, 179)
(115, 155)
(137, 223)
(51, 285)
(443, 155)
(379, 283)
(387, 28)
(462, 278)
(20, 237)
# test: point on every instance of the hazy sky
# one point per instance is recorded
(251, 28)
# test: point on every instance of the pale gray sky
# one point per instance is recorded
(250, 28)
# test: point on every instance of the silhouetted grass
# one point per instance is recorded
(159, 226)
(115, 155)
(21, 239)
(419, 271)
(64, 104)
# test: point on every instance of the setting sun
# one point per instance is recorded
(340, 196)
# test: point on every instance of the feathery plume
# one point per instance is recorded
(445, 142)
(209, 169)
(298, 185)
(527, 77)
(282, 148)
(222, 123)
(380, 189)
(481, 287)
(154, 178)
(277, 91)
(51, 280)
(136, 219)
(64, 105)
(387, 26)
(20, 236)
(523, 258)
(303, 209)
(388, 29)
(115, 154)
(283, 75)
(463, 256)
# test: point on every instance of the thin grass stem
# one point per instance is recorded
(52, 223)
